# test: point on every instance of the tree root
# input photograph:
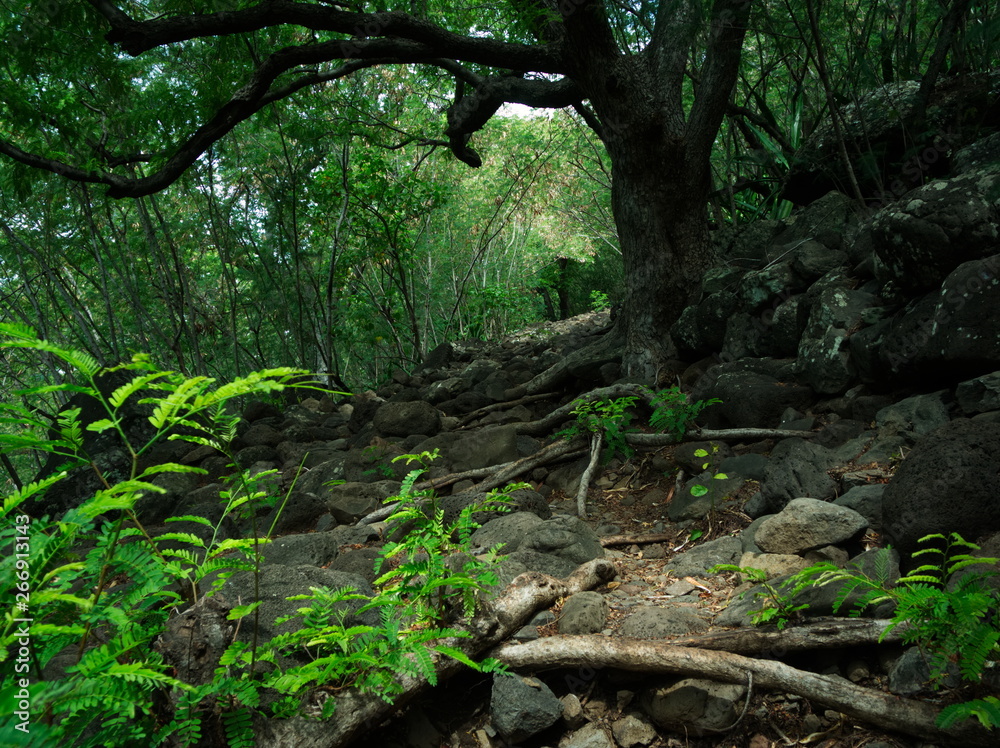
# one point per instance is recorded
(563, 413)
(476, 414)
(596, 440)
(822, 634)
(907, 716)
(357, 712)
(495, 475)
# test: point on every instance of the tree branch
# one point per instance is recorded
(718, 75)
(136, 37)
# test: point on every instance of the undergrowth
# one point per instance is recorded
(88, 593)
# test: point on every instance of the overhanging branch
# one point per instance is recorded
(136, 37)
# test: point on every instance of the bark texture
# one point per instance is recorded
(891, 712)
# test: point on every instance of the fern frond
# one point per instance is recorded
(239, 728)
(123, 393)
(986, 710)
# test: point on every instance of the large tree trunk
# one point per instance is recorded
(659, 138)
(659, 201)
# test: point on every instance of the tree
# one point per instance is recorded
(652, 79)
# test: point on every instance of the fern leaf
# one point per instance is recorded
(239, 728)
(986, 710)
(123, 393)
(190, 518)
(171, 467)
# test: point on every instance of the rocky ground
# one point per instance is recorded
(863, 348)
(785, 503)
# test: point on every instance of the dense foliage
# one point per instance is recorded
(96, 588)
(332, 230)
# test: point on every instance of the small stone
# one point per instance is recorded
(572, 711)
(623, 699)
(680, 587)
(857, 670)
(631, 731)
(655, 551)
(811, 723)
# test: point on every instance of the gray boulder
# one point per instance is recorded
(866, 501)
(919, 240)
(312, 549)
(982, 153)
(919, 414)
(698, 560)
(278, 582)
(523, 500)
(489, 446)
(691, 503)
(951, 332)
(752, 394)
(405, 418)
(805, 524)
(507, 531)
(701, 328)
(521, 707)
(349, 502)
(784, 327)
(590, 735)
(583, 613)
(567, 538)
(979, 395)
(824, 356)
(796, 468)
(693, 703)
(950, 482)
(880, 564)
(657, 622)
(759, 289)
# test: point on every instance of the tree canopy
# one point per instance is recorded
(302, 145)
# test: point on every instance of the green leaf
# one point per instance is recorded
(172, 467)
(241, 611)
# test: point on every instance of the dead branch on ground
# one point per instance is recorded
(887, 711)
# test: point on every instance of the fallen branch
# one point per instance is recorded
(563, 412)
(606, 349)
(827, 634)
(357, 711)
(887, 711)
(655, 537)
(562, 449)
(496, 475)
(637, 439)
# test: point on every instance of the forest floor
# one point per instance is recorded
(627, 498)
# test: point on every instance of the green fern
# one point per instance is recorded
(948, 610)
(111, 602)
(986, 710)
(239, 728)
